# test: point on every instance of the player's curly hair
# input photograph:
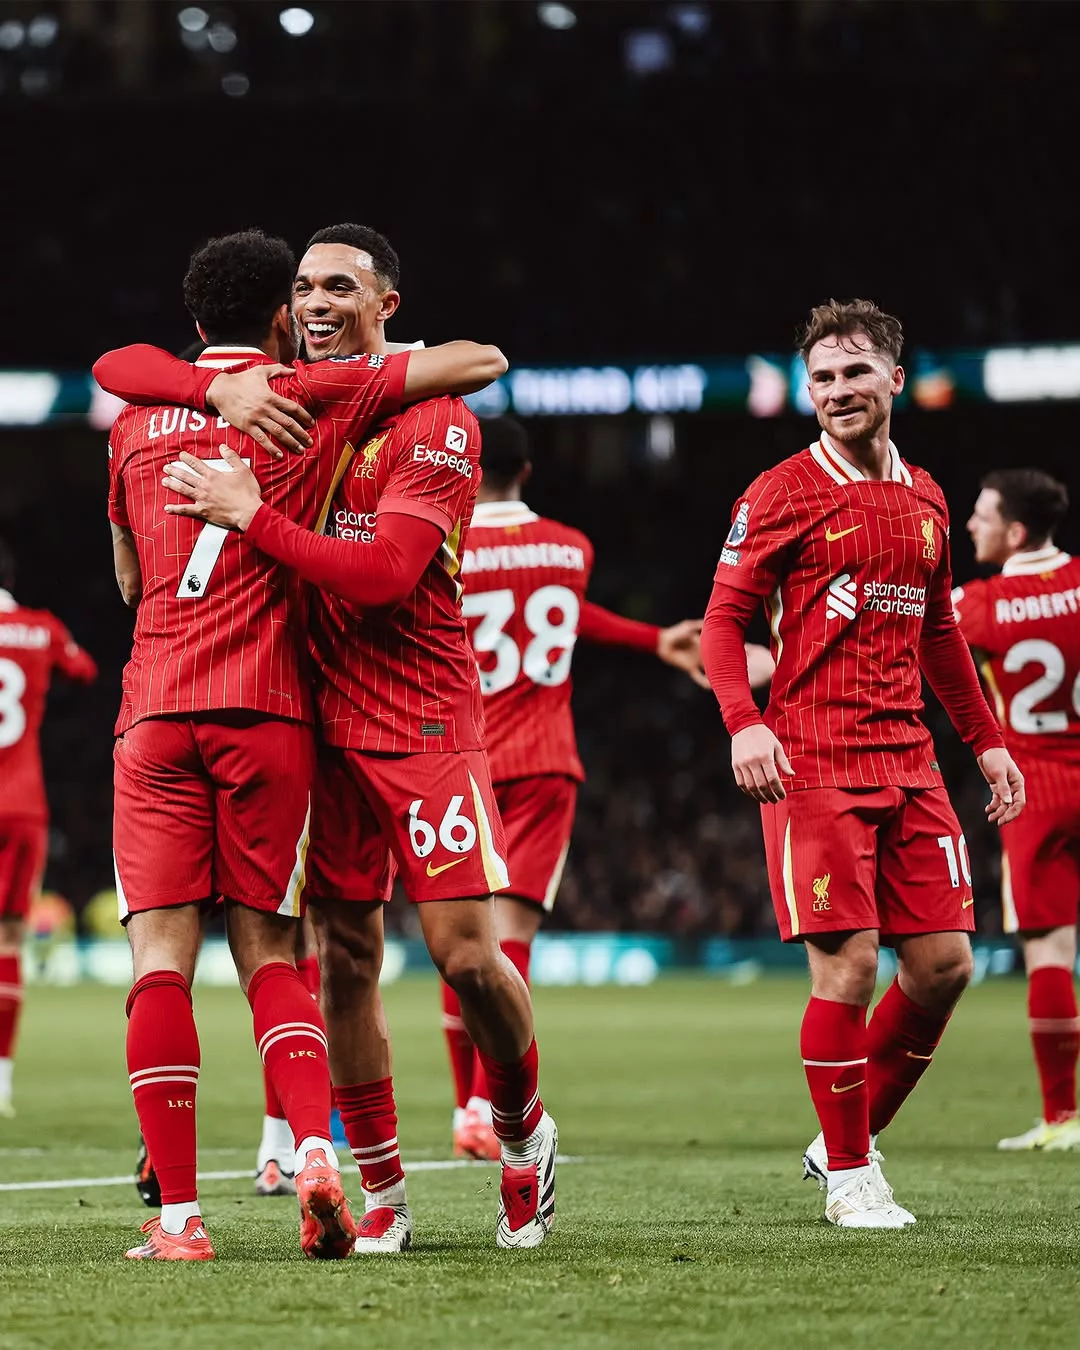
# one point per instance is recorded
(1032, 497)
(236, 283)
(387, 267)
(843, 318)
(7, 567)
(504, 450)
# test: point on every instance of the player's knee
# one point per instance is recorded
(941, 984)
(467, 967)
(349, 963)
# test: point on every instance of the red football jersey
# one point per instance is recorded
(1024, 625)
(403, 680)
(525, 579)
(850, 569)
(220, 625)
(33, 643)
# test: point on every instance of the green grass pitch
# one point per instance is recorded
(685, 1223)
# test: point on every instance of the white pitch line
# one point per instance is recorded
(83, 1183)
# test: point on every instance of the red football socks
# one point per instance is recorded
(369, 1118)
(901, 1039)
(163, 1065)
(291, 1037)
(513, 1089)
(308, 970)
(11, 998)
(518, 953)
(833, 1044)
(459, 1045)
(1055, 1036)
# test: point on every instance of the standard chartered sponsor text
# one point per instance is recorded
(890, 597)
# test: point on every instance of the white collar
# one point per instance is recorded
(503, 513)
(1046, 559)
(842, 471)
(225, 354)
(7, 601)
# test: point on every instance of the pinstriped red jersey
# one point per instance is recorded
(33, 643)
(1024, 624)
(850, 569)
(403, 680)
(525, 579)
(220, 625)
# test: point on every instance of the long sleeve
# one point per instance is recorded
(946, 662)
(597, 624)
(372, 576)
(723, 652)
(148, 375)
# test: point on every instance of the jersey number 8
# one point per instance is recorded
(12, 714)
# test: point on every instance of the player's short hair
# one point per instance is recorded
(387, 267)
(1031, 497)
(844, 318)
(504, 450)
(235, 284)
(7, 567)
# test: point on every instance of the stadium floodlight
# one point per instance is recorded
(296, 22)
(11, 35)
(222, 38)
(42, 30)
(553, 15)
(235, 84)
(693, 20)
(193, 19)
(648, 51)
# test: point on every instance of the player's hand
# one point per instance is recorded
(680, 646)
(1007, 794)
(246, 401)
(758, 759)
(227, 498)
(759, 665)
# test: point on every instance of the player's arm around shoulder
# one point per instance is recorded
(458, 367)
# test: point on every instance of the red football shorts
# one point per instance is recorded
(538, 819)
(431, 817)
(1040, 868)
(888, 858)
(212, 806)
(23, 850)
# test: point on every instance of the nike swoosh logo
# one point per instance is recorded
(833, 535)
(434, 871)
(968, 903)
(850, 1087)
(912, 1055)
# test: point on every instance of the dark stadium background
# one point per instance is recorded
(547, 193)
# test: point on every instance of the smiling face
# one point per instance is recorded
(852, 386)
(339, 302)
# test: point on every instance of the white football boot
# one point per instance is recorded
(1045, 1138)
(387, 1222)
(527, 1192)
